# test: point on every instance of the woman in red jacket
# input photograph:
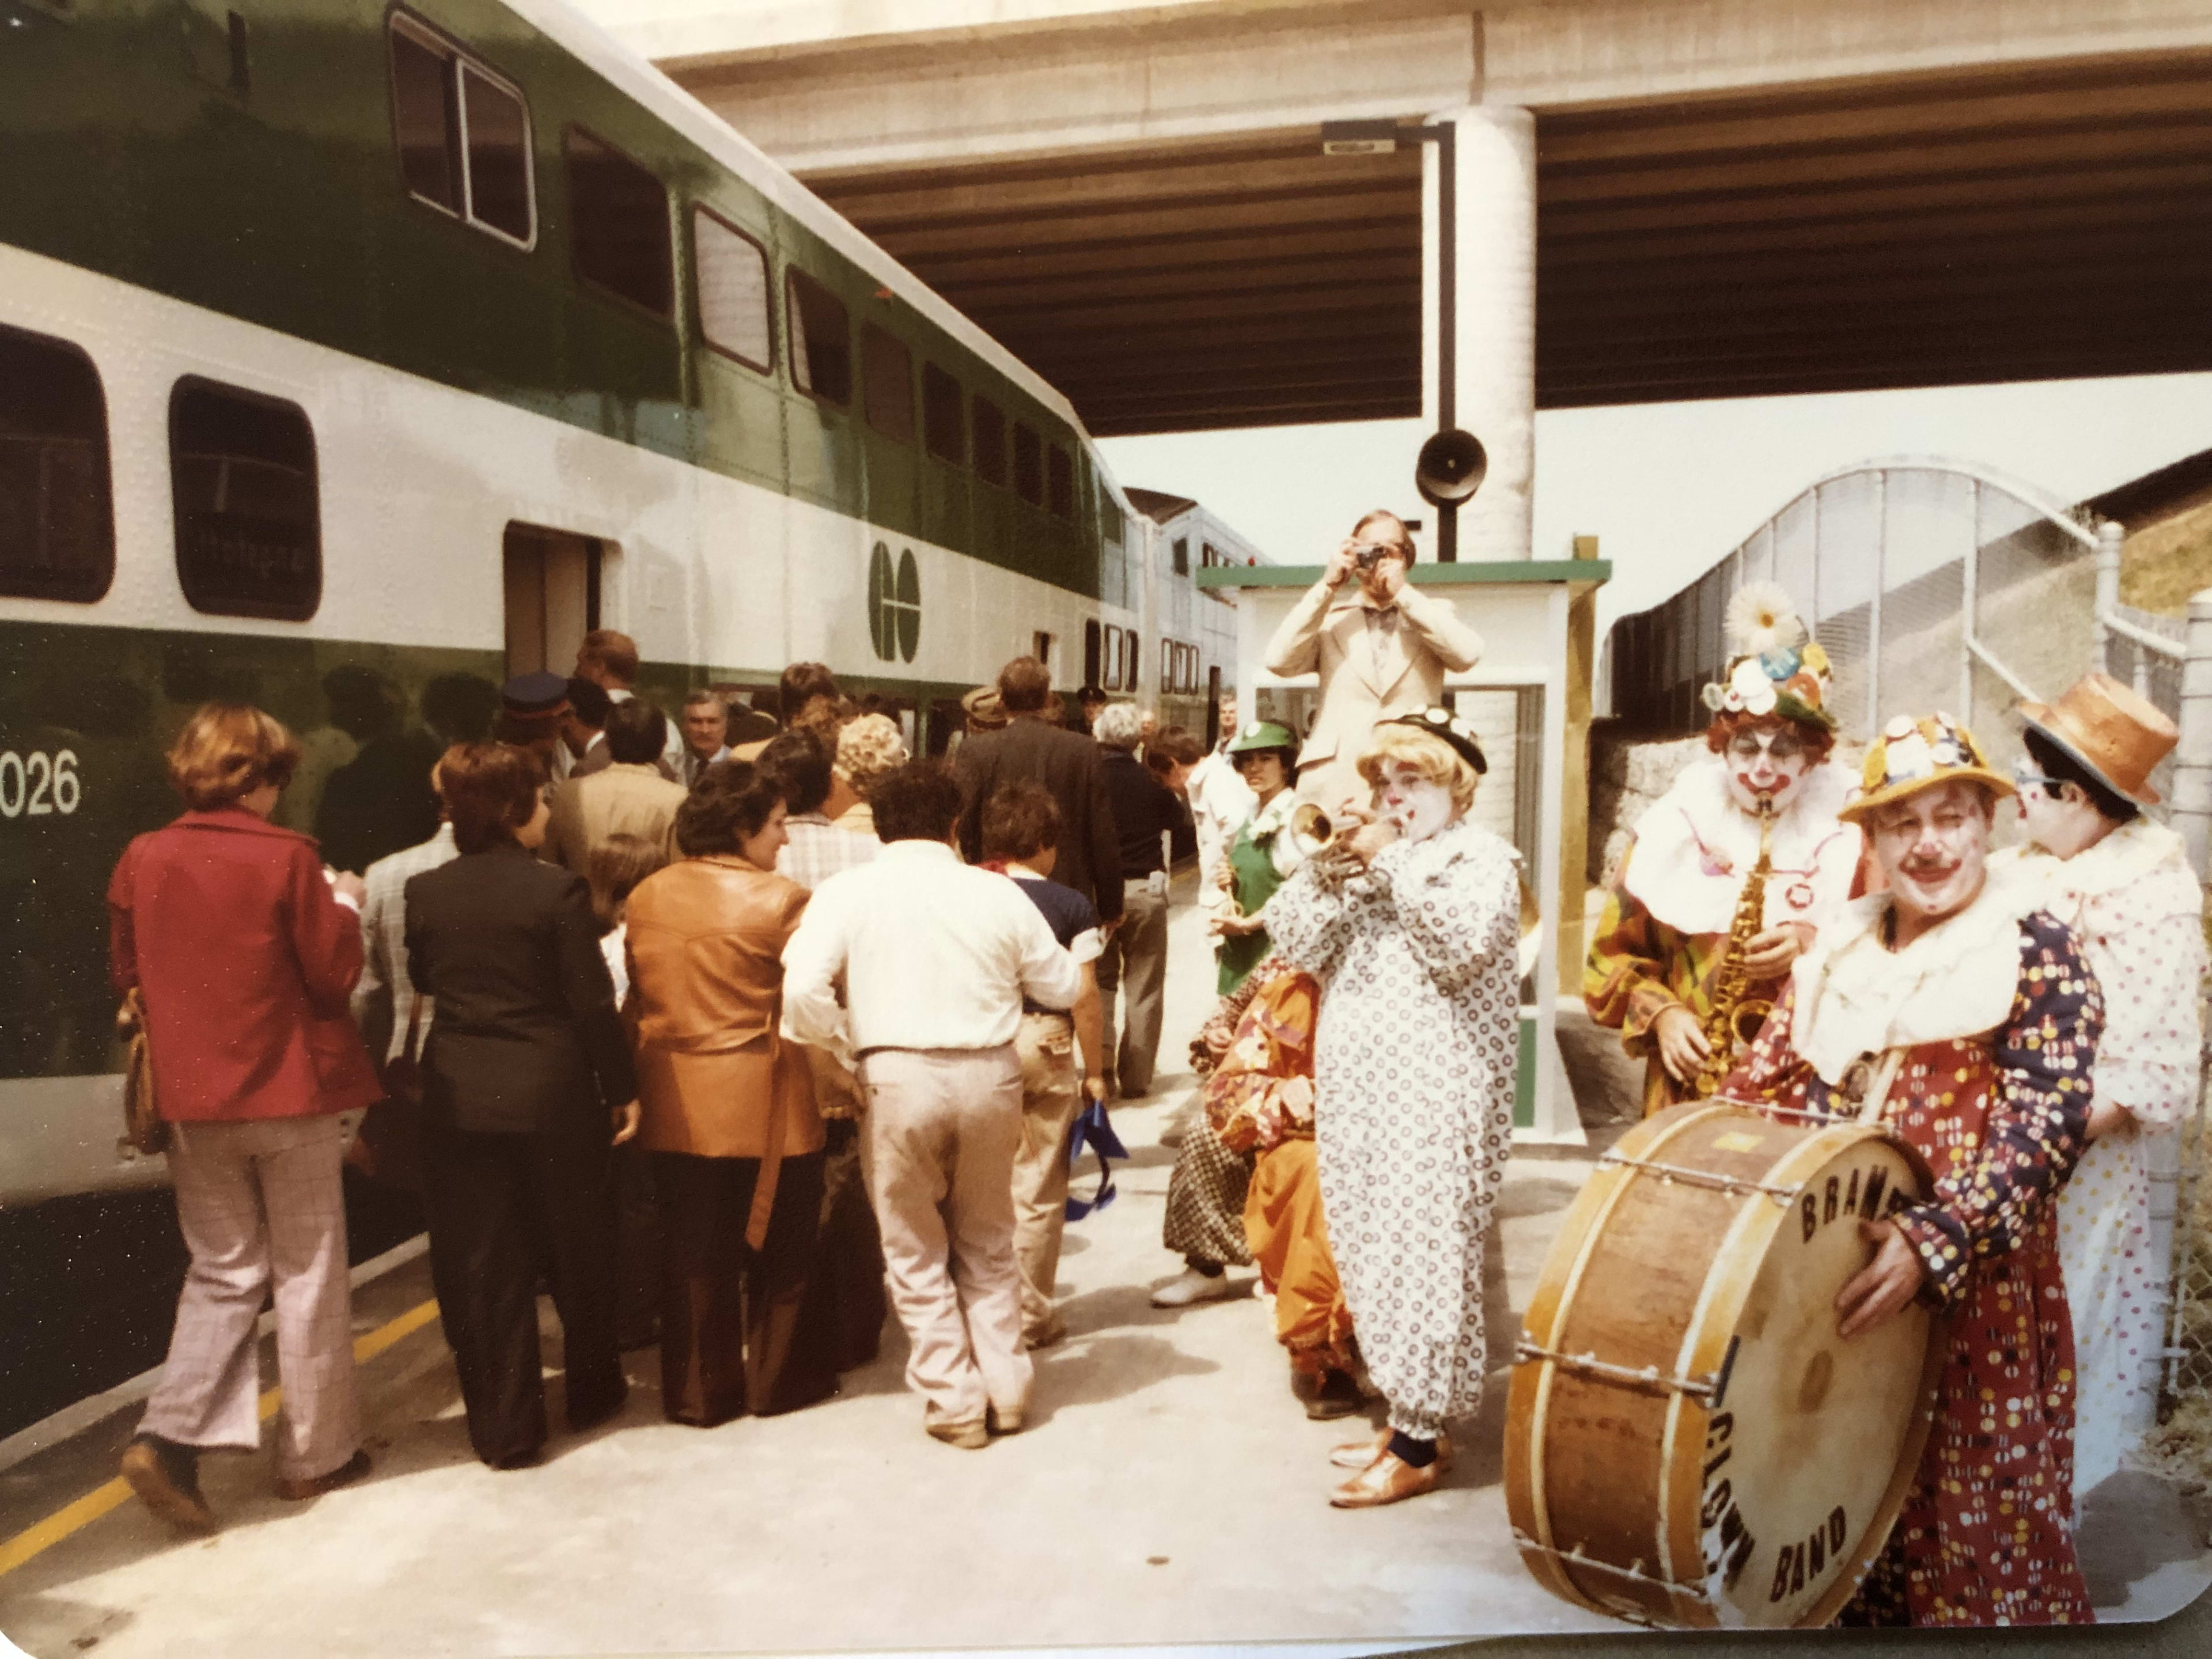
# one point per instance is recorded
(244, 953)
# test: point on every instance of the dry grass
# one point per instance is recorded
(2164, 563)
(2180, 1448)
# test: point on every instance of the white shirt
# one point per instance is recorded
(932, 954)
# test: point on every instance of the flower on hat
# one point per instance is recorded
(1750, 688)
(1760, 618)
(1812, 658)
(1907, 758)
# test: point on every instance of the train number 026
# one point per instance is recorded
(35, 785)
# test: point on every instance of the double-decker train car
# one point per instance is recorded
(354, 356)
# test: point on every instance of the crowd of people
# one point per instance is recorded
(737, 1031)
(733, 1032)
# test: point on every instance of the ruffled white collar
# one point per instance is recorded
(1855, 996)
(2137, 849)
(1695, 846)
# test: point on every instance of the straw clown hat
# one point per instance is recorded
(1912, 755)
(2105, 728)
(1778, 668)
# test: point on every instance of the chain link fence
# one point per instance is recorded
(1933, 584)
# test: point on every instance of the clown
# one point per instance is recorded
(1665, 933)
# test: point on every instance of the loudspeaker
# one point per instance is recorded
(1449, 467)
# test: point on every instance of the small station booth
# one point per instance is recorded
(1529, 699)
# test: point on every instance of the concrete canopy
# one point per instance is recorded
(1732, 199)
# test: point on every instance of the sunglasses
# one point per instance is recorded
(2025, 776)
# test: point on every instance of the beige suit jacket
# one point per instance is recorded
(616, 799)
(1327, 633)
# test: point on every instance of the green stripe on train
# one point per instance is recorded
(127, 156)
(85, 716)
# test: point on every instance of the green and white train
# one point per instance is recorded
(355, 355)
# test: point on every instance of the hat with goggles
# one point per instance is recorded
(1916, 753)
(1454, 729)
(1779, 668)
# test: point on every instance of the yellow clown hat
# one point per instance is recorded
(1916, 753)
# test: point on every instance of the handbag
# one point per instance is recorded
(389, 1147)
(1093, 1128)
(143, 1129)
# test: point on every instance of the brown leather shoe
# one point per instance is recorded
(1388, 1479)
(293, 1490)
(1359, 1454)
(1002, 1420)
(969, 1437)
(165, 1477)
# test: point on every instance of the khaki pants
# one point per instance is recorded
(262, 1212)
(1133, 970)
(943, 1127)
(1050, 1100)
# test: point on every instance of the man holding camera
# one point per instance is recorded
(1380, 647)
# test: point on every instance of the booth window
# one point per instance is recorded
(990, 443)
(943, 432)
(1059, 482)
(821, 338)
(887, 382)
(1028, 465)
(618, 212)
(57, 504)
(248, 516)
(463, 132)
(732, 281)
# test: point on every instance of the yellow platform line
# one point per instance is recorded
(36, 1540)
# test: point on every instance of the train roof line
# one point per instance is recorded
(636, 76)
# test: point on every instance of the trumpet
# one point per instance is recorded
(1310, 829)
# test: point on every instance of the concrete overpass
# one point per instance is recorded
(1658, 199)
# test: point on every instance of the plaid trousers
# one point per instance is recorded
(263, 1210)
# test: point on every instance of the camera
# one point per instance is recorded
(1368, 555)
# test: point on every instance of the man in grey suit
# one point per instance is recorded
(1067, 763)
(1381, 649)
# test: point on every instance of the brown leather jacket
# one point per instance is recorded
(706, 939)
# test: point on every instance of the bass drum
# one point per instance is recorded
(1688, 1441)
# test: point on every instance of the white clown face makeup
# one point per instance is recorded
(1417, 807)
(1768, 758)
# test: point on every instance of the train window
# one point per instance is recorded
(463, 132)
(1028, 465)
(887, 382)
(990, 443)
(821, 338)
(1129, 680)
(733, 277)
(1094, 652)
(248, 520)
(943, 432)
(1111, 528)
(1180, 552)
(498, 130)
(56, 506)
(1059, 482)
(618, 214)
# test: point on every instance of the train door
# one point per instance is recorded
(552, 596)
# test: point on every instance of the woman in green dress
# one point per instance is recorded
(1262, 853)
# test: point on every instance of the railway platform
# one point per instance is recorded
(1168, 1490)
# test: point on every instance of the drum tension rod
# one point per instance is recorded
(1644, 1376)
(1634, 1572)
(1782, 1195)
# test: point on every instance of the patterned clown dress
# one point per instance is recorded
(1415, 1055)
(2133, 903)
(1999, 1018)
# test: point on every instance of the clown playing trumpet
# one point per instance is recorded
(1733, 870)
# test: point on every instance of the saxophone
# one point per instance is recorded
(1735, 1017)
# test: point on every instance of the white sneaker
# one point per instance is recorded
(1191, 1286)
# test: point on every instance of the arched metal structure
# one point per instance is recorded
(1932, 582)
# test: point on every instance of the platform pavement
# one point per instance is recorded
(1168, 1490)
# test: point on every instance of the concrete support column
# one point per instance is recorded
(1493, 394)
